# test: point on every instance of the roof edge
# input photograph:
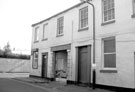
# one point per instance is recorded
(58, 14)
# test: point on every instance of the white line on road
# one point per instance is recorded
(51, 90)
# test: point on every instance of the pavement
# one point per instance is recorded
(59, 86)
(13, 75)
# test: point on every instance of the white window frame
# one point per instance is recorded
(45, 29)
(103, 53)
(35, 60)
(60, 26)
(83, 17)
(36, 34)
(107, 10)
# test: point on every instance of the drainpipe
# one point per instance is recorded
(94, 64)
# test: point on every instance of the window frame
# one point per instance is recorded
(133, 7)
(112, 53)
(60, 26)
(35, 60)
(84, 19)
(112, 19)
(36, 34)
(45, 29)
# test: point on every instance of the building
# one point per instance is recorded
(62, 45)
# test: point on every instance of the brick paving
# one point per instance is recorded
(60, 87)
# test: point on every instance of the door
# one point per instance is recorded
(84, 64)
(44, 65)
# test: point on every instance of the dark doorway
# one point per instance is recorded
(61, 64)
(84, 64)
(44, 64)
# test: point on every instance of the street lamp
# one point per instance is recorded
(94, 64)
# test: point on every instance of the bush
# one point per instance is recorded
(15, 56)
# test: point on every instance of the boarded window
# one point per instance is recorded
(108, 10)
(109, 52)
(83, 17)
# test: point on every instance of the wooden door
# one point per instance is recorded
(44, 64)
(83, 64)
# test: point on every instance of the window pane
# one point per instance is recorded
(60, 25)
(108, 9)
(37, 34)
(35, 60)
(109, 45)
(133, 6)
(109, 60)
(83, 17)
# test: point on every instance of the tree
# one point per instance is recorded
(7, 50)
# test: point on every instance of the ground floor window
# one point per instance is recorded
(109, 52)
(35, 60)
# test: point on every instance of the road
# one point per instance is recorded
(11, 85)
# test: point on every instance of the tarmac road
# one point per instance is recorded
(11, 85)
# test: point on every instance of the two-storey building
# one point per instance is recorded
(62, 45)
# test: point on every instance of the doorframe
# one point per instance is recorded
(89, 62)
(43, 65)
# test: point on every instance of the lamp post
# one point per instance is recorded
(94, 64)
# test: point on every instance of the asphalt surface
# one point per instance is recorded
(11, 85)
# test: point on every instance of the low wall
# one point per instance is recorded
(14, 65)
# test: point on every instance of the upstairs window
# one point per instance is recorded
(108, 10)
(36, 34)
(83, 18)
(109, 52)
(60, 26)
(45, 29)
(133, 2)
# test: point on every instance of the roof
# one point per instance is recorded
(58, 14)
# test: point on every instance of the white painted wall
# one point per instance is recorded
(123, 29)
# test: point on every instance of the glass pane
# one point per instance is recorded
(109, 60)
(84, 17)
(109, 45)
(133, 6)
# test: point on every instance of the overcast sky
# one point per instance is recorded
(17, 16)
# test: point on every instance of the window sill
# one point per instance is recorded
(133, 16)
(108, 22)
(108, 71)
(59, 35)
(44, 39)
(83, 29)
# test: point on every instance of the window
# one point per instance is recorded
(45, 28)
(83, 17)
(35, 60)
(108, 10)
(109, 52)
(36, 34)
(133, 1)
(60, 26)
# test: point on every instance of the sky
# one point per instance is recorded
(17, 16)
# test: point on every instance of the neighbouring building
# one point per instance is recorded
(62, 45)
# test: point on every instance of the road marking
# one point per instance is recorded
(51, 90)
